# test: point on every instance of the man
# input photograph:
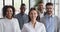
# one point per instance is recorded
(41, 9)
(22, 17)
(51, 21)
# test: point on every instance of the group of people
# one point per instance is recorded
(37, 20)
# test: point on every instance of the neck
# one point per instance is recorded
(50, 14)
(22, 13)
(41, 11)
(10, 18)
(33, 23)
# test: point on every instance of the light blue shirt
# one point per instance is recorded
(49, 23)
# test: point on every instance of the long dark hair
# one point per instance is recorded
(38, 17)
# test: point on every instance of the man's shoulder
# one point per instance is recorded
(55, 16)
(43, 17)
(17, 14)
(26, 14)
(20, 14)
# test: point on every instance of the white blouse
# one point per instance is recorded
(39, 27)
(9, 25)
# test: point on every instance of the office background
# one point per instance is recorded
(29, 4)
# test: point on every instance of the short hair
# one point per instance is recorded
(5, 10)
(40, 2)
(23, 4)
(38, 17)
(49, 4)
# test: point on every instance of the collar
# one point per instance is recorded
(49, 16)
(35, 24)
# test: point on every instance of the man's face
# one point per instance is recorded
(40, 6)
(23, 8)
(49, 9)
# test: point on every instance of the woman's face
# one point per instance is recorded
(9, 13)
(33, 15)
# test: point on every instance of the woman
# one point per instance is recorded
(33, 25)
(8, 23)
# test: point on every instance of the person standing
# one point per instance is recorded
(50, 21)
(22, 17)
(9, 23)
(33, 25)
(41, 9)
